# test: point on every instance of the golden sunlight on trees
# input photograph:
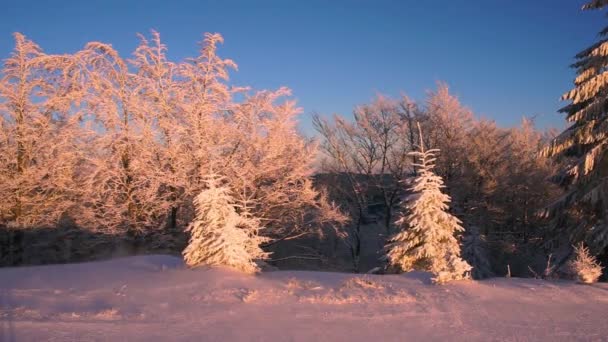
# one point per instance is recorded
(581, 148)
(427, 237)
(125, 146)
(495, 178)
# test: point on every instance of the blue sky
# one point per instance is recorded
(504, 59)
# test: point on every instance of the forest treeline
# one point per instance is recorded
(496, 177)
(121, 147)
(96, 148)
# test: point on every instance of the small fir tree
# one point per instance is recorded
(584, 265)
(223, 234)
(426, 238)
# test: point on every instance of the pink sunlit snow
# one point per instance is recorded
(148, 298)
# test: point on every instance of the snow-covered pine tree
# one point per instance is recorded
(426, 238)
(582, 146)
(222, 234)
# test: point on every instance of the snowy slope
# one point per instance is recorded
(148, 298)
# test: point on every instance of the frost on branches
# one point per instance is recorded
(222, 233)
(37, 135)
(584, 265)
(426, 239)
(582, 146)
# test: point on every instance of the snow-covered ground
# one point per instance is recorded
(153, 298)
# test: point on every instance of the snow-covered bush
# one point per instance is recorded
(222, 234)
(584, 265)
(426, 239)
(454, 269)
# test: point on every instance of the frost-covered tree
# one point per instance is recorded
(476, 191)
(525, 187)
(125, 145)
(162, 94)
(38, 137)
(447, 128)
(223, 233)
(584, 266)
(427, 231)
(204, 112)
(122, 182)
(270, 165)
(582, 146)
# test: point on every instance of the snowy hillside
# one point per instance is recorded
(149, 298)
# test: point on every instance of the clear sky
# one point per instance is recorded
(503, 58)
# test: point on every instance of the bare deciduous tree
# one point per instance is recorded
(371, 155)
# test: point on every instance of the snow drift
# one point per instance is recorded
(155, 297)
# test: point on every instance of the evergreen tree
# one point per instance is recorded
(222, 234)
(582, 146)
(426, 239)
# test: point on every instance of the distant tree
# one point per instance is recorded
(475, 252)
(371, 154)
(582, 148)
(476, 191)
(345, 160)
(388, 124)
(427, 236)
(447, 126)
(504, 183)
(525, 188)
(223, 233)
